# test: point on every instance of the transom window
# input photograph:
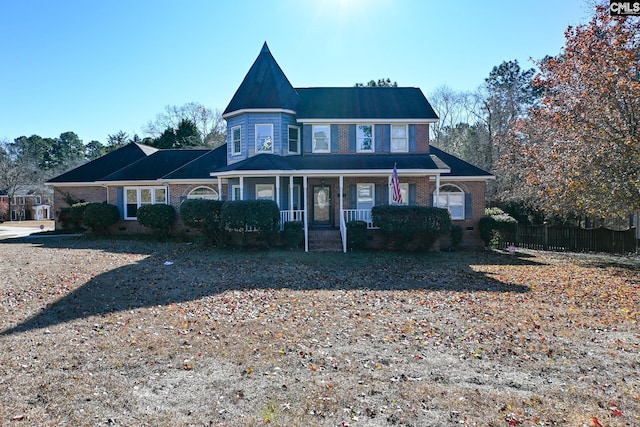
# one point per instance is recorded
(321, 137)
(404, 192)
(203, 193)
(236, 141)
(452, 198)
(264, 192)
(138, 196)
(399, 139)
(364, 138)
(264, 138)
(294, 140)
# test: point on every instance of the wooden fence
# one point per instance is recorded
(572, 239)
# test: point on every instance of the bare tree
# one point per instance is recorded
(16, 171)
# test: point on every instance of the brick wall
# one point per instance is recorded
(422, 138)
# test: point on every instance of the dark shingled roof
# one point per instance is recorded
(333, 162)
(105, 165)
(200, 167)
(458, 166)
(364, 103)
(264, 86)
(156, 166)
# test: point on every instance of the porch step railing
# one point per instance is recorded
(359, 215)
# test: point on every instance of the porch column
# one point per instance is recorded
(291, 198)
(342, 220)
(306, 216)
(437, 203)
(220, 197)
(242, 188)
(278, 190)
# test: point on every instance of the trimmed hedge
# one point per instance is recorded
(100, 216)
(72, 217)
(204, 215)
(496, 227)
(356, 235)
(158, 217)
(411, 227)
(293, 234)
(240, 216)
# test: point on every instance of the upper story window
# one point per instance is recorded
(203, 193)
(294, 140)
(451, 198)
(236, 144)
(138, 196)
(364, 138)
(321, 135)
(399, 139)
(264, 138)
(38, 200)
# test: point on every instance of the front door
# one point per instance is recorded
(321, 216)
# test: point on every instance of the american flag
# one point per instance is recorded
(397, 195)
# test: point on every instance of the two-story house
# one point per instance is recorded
(326, 155)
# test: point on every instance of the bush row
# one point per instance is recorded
(497, 227)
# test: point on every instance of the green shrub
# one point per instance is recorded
(71, 217)
(293, 234)
(158, 217)
(456, 235)
(411, 227)
(100, 216)
(496, 227)
(204, 215)
(356, 235)
(240, 216)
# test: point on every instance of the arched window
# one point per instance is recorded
(203, 193)
(452, 198)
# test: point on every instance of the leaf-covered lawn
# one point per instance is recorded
(100, 332)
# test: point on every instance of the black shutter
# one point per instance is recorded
(353, 197)
(334, 139)
(468, 205)
(412, 194)
(352, 138)
(307, 134)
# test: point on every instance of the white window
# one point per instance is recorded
(236, 140)
(366, 196)
(138, 196)
(264, 192)
(404, 192)
(364, 138)
(452, 198)
(399, 139)
(235, 192)
(38, 200)
(203, 193)
(264, 138)
(294, 140)
(321, 135)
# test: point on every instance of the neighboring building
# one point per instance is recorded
(325, 155)
(25, 205)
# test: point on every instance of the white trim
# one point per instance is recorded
(465, 178)
(313, 145)
(255, 137)
(217, 194)
(373, 138)
(270, 186)
(328, 173)
(362, 121)
(257, 110)
(233, 152)
(289, 127)
(233, 192)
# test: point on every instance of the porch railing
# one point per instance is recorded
(359, 215)
(290, 216)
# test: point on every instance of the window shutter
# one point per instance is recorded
(468, 205)
(378, 138)
(352, 138)
(353, 197)
(412, 138)
(306, 138)
(386, 138)
(382, 195)
(334, 139)
(120, 200)
(412, 194)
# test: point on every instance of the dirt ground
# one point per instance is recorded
(132, 333)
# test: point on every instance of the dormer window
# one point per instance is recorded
(364, 138)
(321, 138)
(264, 138)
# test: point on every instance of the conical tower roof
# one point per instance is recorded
(264, 86)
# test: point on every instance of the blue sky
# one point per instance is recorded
(98, 67)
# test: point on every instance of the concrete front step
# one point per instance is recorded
(325, 241)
